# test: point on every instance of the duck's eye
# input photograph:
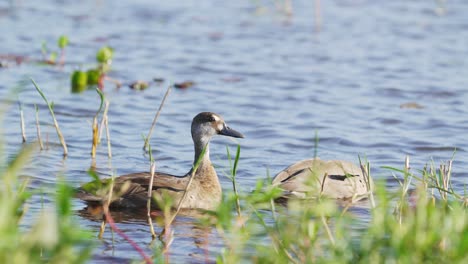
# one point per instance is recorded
(211, 119)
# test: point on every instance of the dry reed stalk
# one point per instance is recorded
(56, 125)
(103, 120)
(168, 239)
(327, 229)
(322, 184)
(445, 171)
(147, 139)
(95, 137)
(365, 168)
(407, 166)
(102, 228)
(104, 123)
(23, 131)
(38, 128)
(408, 176)
(109, 149)
(96, 133)
(149, 197)
(179, 205)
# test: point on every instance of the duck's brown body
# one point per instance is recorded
(315, 177)
(204, 191)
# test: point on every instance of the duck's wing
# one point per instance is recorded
(160, 180)
(294, 171)
(345, 180)
(130, 190)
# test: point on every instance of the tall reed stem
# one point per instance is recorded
(147, 139)
(233, 177)
(365, 168)
(103, 120)
(96, 137)
(106, 123)
(150, 193)
(38, 128)
(51, 110)
(23, 131)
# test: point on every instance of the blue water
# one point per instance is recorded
(274, 77)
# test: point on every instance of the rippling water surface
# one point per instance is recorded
(273, 77)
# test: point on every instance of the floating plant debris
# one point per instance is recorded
(411, 105)
(184, 85)
(158, 80)
(18, 59)
(232, 79)
(139, 85)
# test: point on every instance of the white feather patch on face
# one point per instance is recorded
(221, 126)
(216, 118)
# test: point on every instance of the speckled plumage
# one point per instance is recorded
(315, 177)
(204, 191)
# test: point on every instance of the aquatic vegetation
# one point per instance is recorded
(184, 84)
(429, 228)
(23, 131)
(51, 57)
(51, 110)
(424, 220)
(410, 225)
(53, 237)
(98, 129)
(38, 129)
(62, 43)
(139, 85)
(81, 80)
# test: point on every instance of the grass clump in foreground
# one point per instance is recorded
(425, 221)
(51, 236)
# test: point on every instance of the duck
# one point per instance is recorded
(313, 178)
(204, 192)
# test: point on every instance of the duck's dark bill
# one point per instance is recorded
(227, 131)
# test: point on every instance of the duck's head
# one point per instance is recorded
(207, 124)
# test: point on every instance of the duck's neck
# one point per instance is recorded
(202, 155)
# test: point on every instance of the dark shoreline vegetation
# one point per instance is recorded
(424, 220)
